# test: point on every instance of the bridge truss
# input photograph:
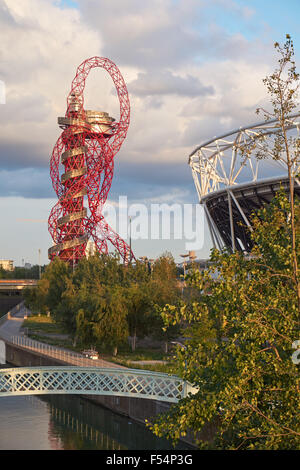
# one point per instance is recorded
(236, 173)
(93, 381)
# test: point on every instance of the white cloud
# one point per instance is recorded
(41, 46)
(188, 78)
(167, 83)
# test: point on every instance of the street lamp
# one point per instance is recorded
(39, 263)
(192, 256)
(184, 263)
(130, 237)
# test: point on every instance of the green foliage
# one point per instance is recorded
(103, 302)
(166, 289)
(22, 273)
(140, 310)
(241, 332)
(283, 88)
(36, 299)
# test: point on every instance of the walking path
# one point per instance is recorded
(10, 332)
(13, 324)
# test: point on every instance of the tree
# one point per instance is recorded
(58, 274)
(166, 290)
(136, 273)
(101, 319)
(36, 298)
(283, 87)
(92, 306)
(100, 270)
(239, 352)
(102, 301)
(112, 326)
(245, 321)
(140, 310)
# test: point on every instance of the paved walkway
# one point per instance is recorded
(11, 328)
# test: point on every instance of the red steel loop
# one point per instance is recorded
(86, 149)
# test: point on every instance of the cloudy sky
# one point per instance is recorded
(193, 68)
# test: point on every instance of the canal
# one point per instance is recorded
(69, 422)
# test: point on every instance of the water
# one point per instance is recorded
(69, 422)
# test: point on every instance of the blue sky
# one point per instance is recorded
(193, 68)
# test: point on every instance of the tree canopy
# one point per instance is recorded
(242, 326)
(239, 349)
(103, 302)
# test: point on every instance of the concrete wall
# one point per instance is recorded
(7, 302)
(22, 357)
(2, 352)
(138, 409)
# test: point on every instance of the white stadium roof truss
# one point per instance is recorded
(241, 157)
(221, 162)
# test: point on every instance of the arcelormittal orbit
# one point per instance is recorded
(86, 150)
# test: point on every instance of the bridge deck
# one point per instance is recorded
(16, 284)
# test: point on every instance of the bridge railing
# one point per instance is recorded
(63, 355)
(93, 381)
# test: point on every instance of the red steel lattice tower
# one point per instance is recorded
(86, 149)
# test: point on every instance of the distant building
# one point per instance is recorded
(7, 264)
(90, 249)
(28, 266)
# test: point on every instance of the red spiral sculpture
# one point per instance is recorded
(86, 150)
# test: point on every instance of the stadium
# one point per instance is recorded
(237, 173)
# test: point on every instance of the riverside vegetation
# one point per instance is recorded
(103, 303)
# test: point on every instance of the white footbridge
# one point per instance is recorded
(78, 375)
(93, 381)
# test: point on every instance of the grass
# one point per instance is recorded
(39, 326)
(167, 368)
(142, 354)
(58, 342)
(127, 358)
(42, 324)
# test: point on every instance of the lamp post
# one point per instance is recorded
(39, 263)
(192, 256)
(130, 238)
(150, 263)
(184, 263)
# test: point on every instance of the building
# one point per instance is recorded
(7, 264)
(90, 249)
